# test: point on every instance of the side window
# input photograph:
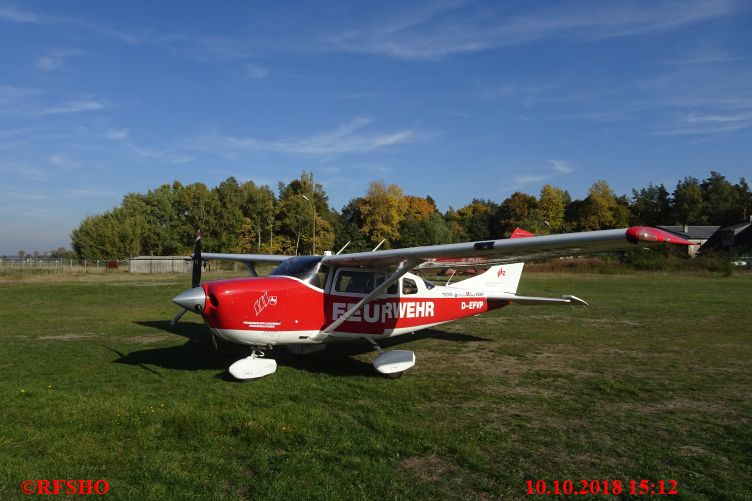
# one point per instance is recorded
(356, 282)
(409, 286)
(392, 289)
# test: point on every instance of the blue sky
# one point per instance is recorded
(456, 99)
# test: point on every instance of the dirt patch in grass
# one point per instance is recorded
(67, 337)
(147, 338)
(676, 406)
(142, 284)
(427, 469)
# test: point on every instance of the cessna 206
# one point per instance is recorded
(309, 301)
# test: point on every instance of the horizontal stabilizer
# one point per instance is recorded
(535, 301)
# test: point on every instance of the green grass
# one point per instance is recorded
(653, 381)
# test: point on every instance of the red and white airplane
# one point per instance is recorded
(310, 301)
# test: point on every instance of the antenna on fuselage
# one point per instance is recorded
(375, 248)
(451, 276)
(344, 247)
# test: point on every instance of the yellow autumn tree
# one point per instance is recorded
(382, 209)
(551, 206)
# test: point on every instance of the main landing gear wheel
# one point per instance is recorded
(253, 367)
(391, 364)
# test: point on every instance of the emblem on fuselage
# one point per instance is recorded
(264, 301)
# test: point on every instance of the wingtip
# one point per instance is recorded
(646, 234)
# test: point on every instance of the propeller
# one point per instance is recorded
(195, 274)
(190, 296)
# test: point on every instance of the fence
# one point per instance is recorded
(58, 265)
(148, 264)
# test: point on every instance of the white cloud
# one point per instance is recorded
(74, 107)
(554, 169)
(440, 30)
(208, 48)
(88, 193)
(55, 60)
(255, 72)
(11, 14)
(63, 162)
(165, 155)
(345, 139)
(48, 63)
(117, 134)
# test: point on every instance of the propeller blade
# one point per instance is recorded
(178, 316)
(196, 277)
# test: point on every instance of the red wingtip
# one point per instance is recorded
(646, 234)
(520, 233)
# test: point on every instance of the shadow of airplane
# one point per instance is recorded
(199, 354)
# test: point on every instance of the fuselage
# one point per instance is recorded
(290, 310)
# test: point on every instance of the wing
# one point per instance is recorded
(245, 258)
(508, 250)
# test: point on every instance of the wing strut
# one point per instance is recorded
(404, 268)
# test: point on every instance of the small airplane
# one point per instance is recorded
(308, 302)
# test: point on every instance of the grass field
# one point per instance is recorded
(653, 381)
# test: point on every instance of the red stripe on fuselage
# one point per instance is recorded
(286, 304)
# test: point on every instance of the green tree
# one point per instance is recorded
(744, 198)
(227, 216)
(519, 210)
(299, 201)
(650, 206)
(474, 220)
(688, 207)
(197, 205)
(720, 200)
(347, 228)
(428, 231)
(260, 208)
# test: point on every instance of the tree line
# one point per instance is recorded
(248, 218)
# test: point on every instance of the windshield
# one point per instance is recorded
(428, 284)
(305, 268)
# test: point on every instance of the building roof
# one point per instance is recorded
(693, 232)
(738, 226)
(742, 236)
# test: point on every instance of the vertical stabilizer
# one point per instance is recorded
(500, 278)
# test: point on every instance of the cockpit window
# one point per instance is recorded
(409, 286)
(429, 285)
(306, 268)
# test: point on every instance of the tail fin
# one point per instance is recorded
(500, 278)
